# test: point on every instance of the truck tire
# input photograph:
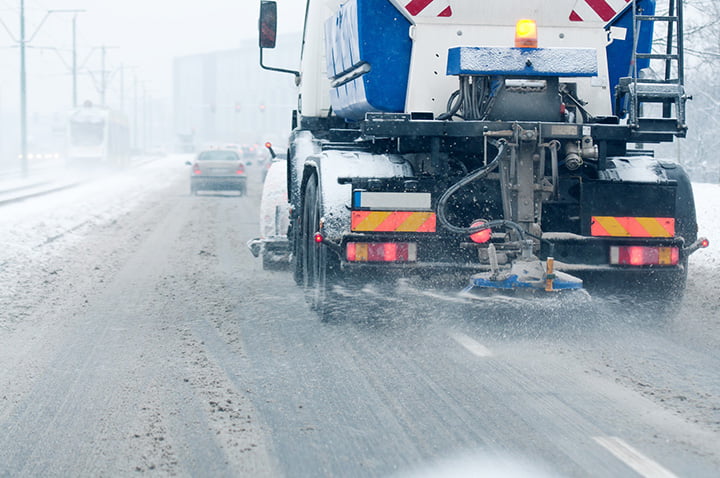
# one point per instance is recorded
(658, 294)
(318, 264)
(667, 290)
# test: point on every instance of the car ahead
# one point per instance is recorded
(218, 170)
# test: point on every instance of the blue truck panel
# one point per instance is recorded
(619, 52)
(375, 33)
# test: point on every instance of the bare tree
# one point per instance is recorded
(698, 153)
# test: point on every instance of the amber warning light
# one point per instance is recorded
(526, 34)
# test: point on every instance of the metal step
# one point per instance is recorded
(656, 92)
(632, 92)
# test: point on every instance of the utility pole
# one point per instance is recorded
(74, 61)
(135, 113)
(23, 95)
(103, 79)
(22, 43)
(144, 119)
(122, 88)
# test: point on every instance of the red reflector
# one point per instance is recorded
(390, 252)
(644, 256)
(318, 237)
(381, 251)
(480, 237)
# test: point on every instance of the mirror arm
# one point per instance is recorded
(281, 70)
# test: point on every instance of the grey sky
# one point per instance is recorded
(147, 35)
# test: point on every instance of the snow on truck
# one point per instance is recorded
(499, 144)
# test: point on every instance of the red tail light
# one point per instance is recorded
(196, 169)
(240, 169)
(381, 252)
(644, 256)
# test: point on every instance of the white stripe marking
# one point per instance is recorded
(472, 346)
(586, 12)
(434, 9)
(643, 465)
(617, 5)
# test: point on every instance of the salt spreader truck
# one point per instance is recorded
(498, 144)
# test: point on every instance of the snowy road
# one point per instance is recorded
(138, 335)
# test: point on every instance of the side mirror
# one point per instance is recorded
(188, 163)
(268, 24)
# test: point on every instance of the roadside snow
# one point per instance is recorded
(707, 204)
(37, 230)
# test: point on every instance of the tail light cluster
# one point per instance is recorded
(196, 169)
(381, 251)
(240, 169)
(644, 256)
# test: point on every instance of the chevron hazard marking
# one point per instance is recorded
(597, 10)
(429, 8)
(609, 226)
(393, 221)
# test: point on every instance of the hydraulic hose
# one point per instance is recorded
(474, 176)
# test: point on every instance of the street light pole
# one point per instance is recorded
(74, 60)
(23, 95)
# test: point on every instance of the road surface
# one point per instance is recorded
(138, 335)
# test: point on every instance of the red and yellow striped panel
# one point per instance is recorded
(393, 221)
(609, 226)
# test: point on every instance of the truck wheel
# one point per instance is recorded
(319, 273)
(666, 291)
(297, 254)
(659, 294)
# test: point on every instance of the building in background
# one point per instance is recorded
(225, 97)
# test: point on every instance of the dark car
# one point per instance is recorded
(218, 170)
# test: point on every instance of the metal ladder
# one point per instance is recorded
(668, 90)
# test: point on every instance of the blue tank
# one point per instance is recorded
(370, 39)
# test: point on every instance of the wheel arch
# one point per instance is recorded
(685, 216)
(336, 202)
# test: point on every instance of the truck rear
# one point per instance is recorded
(499, 148)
